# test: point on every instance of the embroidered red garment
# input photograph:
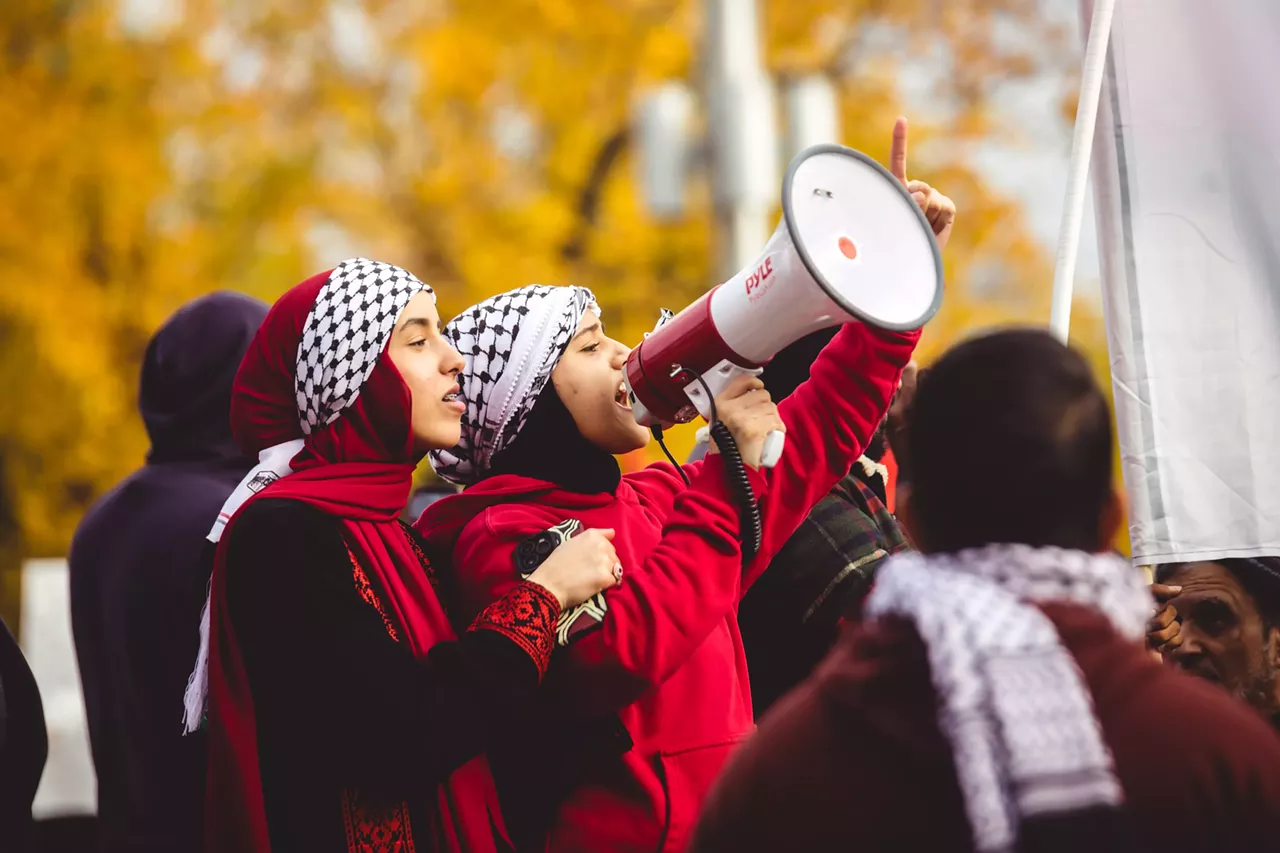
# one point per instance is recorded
(358, 469)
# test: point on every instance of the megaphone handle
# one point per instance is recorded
(713, 382)
(772, 450)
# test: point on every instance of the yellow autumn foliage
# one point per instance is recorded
(483, 145)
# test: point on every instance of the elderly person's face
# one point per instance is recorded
(1224, 636)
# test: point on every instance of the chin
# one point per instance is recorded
(636, 438)
(625, 439)
(443, 438)
(642, 439)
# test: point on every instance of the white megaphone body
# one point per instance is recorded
(852, 246)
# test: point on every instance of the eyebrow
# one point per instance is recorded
(594, 327)
(420, 321)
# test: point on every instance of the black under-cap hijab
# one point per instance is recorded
(550, 447)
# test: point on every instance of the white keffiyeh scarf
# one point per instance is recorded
(1012, 702)
(344, 336)
(510, 343)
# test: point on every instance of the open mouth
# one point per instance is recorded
(454, 396)
(621, 397)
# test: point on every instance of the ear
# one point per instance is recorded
(1273, 647)
(1113, 515)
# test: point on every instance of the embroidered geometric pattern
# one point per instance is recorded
(525, 615)
(532, 552)
(422, 555)
(374, 827)
(343, 337)
(365, 588)
(345, 334)
(510, 343)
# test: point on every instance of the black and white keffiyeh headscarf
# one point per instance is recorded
(510, 343)
(1012, 702)
(343, 338)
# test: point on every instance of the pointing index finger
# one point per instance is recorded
(898, 153)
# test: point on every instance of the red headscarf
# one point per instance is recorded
(357, 468)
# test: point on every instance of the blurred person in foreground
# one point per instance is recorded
(345, 714)
(997, 695)
(1220, 621)
(138, 579)
(24, 745)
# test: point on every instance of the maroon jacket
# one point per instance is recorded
(668, 658)
(854, 759)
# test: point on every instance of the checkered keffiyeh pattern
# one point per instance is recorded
(1011, 700)
(511, 343)
(345, 335)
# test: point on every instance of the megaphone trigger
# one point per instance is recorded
(712, 383)
(771, 453)
(703, 391)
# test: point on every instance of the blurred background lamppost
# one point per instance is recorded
(740, 146)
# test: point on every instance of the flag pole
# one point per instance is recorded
(1091, 80)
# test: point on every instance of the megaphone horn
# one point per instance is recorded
(852, 246)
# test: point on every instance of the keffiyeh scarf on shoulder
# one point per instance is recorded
(511, 343)
(1012, 702)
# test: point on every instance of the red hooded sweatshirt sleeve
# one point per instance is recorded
(668, 657)
(830, 419)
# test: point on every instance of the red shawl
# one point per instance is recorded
(359, 470)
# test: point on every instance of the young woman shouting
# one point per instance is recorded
(649, 695)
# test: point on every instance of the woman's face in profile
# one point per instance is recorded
(429, 366)
(588, 379)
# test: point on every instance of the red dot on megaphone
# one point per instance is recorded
(848, 248)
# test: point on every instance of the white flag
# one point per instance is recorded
(1186, 176)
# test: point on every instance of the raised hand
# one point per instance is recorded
(1164, 631)
(746, 408)
(938, 209)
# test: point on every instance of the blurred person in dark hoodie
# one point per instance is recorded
(24, 745)
(138, 576)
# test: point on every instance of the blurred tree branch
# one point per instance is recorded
(477, 143)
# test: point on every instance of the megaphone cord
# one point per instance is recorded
(748, 509)
(657, 434)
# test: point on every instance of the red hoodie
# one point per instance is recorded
(668, 657)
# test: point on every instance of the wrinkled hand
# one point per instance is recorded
(580, 568)
(1164, 631)
(938, 209)
(750, 414)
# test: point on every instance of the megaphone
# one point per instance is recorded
(852, 245)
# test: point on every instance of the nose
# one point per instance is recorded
(620, 353)
(452, 363)
(1191, 649)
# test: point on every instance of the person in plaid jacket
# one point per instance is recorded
(791, 617)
